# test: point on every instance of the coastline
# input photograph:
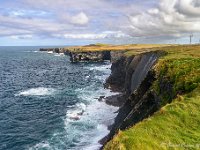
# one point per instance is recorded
(116, 80)
(144, 87)
(114, 99)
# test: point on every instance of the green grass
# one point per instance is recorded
(177, 124)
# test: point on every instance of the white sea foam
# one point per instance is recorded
(86, 122)
(42, 145)
(101, 131)
(40, 91)
(101, 77)
(31, 51)
(89, 93)
(76, 112)
(58, 55)
(102, 68)
(87, 77)
(98, 114)
(50, 52)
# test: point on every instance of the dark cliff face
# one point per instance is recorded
(117, 78)
(89, 56)
(128, 72)
(55, 50)
(135, 76)
(77, 55)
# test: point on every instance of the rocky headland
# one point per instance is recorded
(163, 85)
(147, 78)
(98, 52)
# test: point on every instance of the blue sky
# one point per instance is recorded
(78, 22)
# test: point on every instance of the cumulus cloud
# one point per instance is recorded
(154, 20)
(170, 18)
(80, 19)
(188, 7)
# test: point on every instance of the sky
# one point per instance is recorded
(79, 22)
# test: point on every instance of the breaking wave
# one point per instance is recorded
(40, 91)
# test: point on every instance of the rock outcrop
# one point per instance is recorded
(54, 50)
(89, 56)
(76, 55)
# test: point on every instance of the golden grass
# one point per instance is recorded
(135, 48)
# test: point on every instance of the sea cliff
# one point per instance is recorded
(99, 52)
(134, 75)
(154, 82)
(163, 87)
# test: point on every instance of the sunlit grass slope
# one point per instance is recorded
(177, 124)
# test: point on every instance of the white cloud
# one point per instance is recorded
(28, 36)
(153, 11)
(100, 19)
(80, 19)
(188, 7)
(94, 36)
(170, 18)
(18, 26)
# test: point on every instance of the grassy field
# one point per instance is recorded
(177, 124)
(104, 47)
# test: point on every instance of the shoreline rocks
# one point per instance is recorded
(115, 100)
(89, 56)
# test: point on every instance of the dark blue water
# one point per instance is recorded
(48, 103)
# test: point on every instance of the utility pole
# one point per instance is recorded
(191, 35)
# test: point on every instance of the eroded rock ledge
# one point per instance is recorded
(87, 56)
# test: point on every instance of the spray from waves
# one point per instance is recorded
(60, 54)
(40, 91)
(31, 51)
(86, 122)
(92, 120)
(42, 145)
(84, 126)
(76, 112)
(92, 93)
(104, 67)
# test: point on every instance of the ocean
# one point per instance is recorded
(48, 103)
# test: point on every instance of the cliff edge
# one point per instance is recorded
(162, 105)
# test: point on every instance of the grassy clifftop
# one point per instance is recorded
(105, 47)
(177, 124)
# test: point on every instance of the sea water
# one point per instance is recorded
(48, 103)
